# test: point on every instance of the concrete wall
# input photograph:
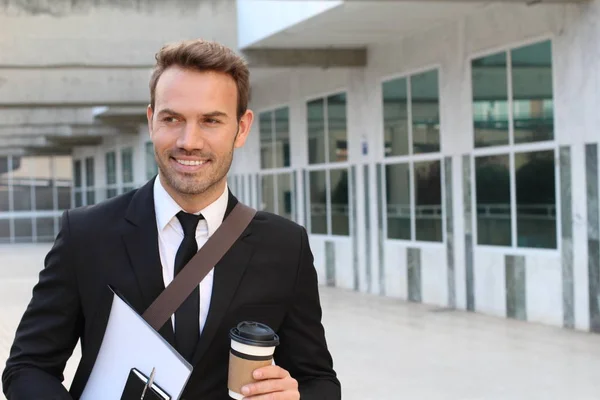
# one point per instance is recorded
(90, 61)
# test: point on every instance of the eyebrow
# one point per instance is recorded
(212, 114)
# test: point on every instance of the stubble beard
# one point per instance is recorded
(194, 184)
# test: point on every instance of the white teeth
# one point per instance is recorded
(190, 162)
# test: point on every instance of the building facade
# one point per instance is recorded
(458, 167)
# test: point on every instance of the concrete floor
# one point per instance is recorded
(386, 349)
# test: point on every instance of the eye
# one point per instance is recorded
(212, 121)
(170, 120)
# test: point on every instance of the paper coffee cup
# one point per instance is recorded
(252, 347)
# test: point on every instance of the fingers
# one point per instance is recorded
(270, 372)
(274, 383)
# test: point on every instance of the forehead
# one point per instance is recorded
(202, 91)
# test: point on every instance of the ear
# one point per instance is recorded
(149, 116)
(244, 127)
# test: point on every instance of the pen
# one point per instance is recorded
(149, 383)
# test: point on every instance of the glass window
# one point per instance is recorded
(395, 117)
(428, 201)
(425, 105)
(90, 180)
(45, 229)
(4, 194)
(532, 93)
(340, 215)
(23, 170)
(336, 128)
(151, 166)
(4, 230)
(63, 179)
(492, 180)
(536, 199)
(282, 138)
(77, 182)
(127, 168)
(268, 194)
(111, 168)
(285, 195)
(274, 129)
(318, 202)
(44, 197)
(316, 131)
(490, 100)
(267, 155)
(516, 199)
(23, 230)
(64, 195)
(398, 201)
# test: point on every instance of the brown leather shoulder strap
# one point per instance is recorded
(199, 266)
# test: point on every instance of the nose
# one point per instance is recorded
(191, 138)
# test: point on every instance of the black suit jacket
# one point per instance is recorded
(267, 276)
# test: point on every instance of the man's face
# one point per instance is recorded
(194, 128)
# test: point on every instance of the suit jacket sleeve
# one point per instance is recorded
(49, 328)
(303, 350)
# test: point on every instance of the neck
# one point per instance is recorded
(193, 203)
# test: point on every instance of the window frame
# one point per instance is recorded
(327, 168)
(125, 187)
(272, 111)
(111, 186)
(512, 149)
(411, 158)
(276, 171)
(323, 96)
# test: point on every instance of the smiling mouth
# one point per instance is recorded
(191, 162)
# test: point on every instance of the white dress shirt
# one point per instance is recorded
(170, 235)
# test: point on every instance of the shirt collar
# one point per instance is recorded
(166, 208)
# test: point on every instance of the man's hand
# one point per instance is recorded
(275, 383)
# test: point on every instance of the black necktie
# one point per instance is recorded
(187, 325)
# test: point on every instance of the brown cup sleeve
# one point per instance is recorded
(240, 371)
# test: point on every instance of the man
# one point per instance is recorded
(138, 241)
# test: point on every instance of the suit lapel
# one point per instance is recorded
(227, 276)
(142, 247)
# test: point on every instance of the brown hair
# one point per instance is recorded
(203, 55)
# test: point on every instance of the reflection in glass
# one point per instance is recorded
(425, 112)
(490, 100)
(23, 230)
(318, 202)
(428, 201)
(336, 127)
(267, 194)
(4, 231)
(316, 131)
(4, 204)
(340, 210)
(536, 199)
(45, 229)
(493, 200)
(395, 117)
(285, 195)
(23, 170)
(397, 184)
(282, 138)
(533, 106)
(265, 123)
